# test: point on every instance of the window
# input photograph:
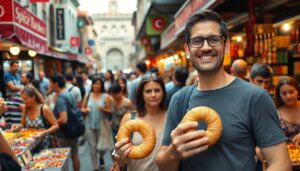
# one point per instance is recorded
(44, 16)
(34, 8)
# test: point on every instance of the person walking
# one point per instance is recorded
(248, 114)
(96, 105)
(63, 104)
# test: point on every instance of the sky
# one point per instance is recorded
(101, 6)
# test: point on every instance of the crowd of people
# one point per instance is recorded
(255, 124)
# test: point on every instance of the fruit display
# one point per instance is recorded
(55, 163)
(18, 151)
(35, 166)
(294, 152)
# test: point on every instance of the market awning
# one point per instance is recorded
(21, 26)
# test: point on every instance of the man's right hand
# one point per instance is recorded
(186, 144)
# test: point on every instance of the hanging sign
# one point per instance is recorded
(60, 24)
(75, 41)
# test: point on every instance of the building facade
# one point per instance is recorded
(115, 38)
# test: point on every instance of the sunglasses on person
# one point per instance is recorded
(212, 40)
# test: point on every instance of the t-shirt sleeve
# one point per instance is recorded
(61, 104)
(265, 122)
(172, 119)
(7, 78)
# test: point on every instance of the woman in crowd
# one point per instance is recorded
(288, 104)
(150, 108)
(96, 105)
(123, 83)
(36, 115)
(79, 83)
(121, 105)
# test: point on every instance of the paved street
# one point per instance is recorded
(85, 161)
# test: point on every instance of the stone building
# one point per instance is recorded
(115, 38)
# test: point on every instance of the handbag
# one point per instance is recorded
(105, 140)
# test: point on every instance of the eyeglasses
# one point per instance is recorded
(149, 76)
(212, 40)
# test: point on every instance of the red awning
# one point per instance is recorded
(21, 26)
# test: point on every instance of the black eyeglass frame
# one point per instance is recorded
(207, 40)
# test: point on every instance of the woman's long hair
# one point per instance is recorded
(140, 102)
(79, 84)
(31, 91)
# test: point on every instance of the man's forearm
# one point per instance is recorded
(279, 167)
(166, 161)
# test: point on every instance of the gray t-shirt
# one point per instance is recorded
(249, 118)
(62, 105)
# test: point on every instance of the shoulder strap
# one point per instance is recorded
(43, 118)
(132, 115)
(70, 89)
(185, 98)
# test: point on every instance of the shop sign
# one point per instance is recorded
(182, 16)
(6, 11)
(26, 19)
(38, 0)
(75, 41)
(88, 50)
(60, 24)
(145, 40)
(168, 36)
(91, 42)
(156, 24)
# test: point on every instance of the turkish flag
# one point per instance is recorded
(75, 41)
(38, 0)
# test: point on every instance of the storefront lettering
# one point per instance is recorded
(60, 24)
(26, 19)
(2, 11)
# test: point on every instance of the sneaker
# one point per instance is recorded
(102, 165)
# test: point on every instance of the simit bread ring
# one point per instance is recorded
(147, 132)
(212, 119)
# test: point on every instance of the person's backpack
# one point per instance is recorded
(75, 125)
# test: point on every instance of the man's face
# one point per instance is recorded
(208, 58)
(14, 68)
(41, 76)
(261, 82)
(23, 79)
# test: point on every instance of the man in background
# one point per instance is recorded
(239, 69)
(44, 82)
(141, 69)
(261, 75)
(178, 78)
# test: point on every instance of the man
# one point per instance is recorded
(261, 75)
(62, 106)
(44, 82)
(248, 114)
(239, 69)
(13, 88)
(26, 78)
(87, 83)
(179, 78)
(74, 90)
(141, 69)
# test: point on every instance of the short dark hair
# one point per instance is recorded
(59, 79)
(142, 66)
(181, 74)
(285, 80)
(29, 76)
(140, 102)
(115, 88)
(94, 80)
(206, 15)
(69, 77)
(260, 69)
(12, 62)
